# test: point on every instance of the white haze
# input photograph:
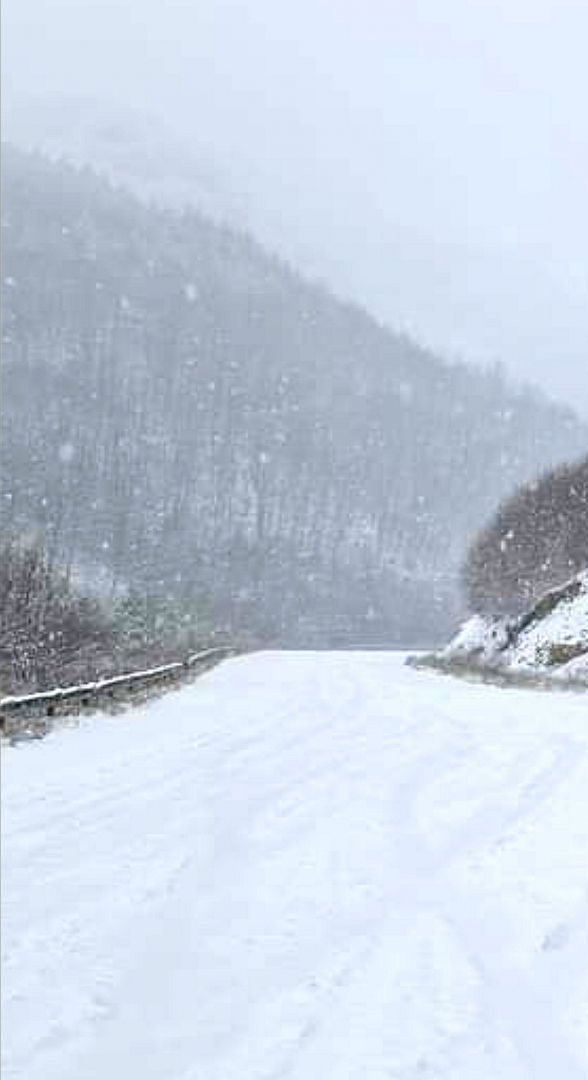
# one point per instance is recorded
(429, 159)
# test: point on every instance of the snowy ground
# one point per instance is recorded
(315, 866)
(541, 643)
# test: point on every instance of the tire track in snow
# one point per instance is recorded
(518, 1003)
(308, 920)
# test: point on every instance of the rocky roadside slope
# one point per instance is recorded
(547, 645)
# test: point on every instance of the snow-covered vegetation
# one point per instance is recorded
(53, 635)
(210, 431)
(48, 631)
(550, 640)
(536, 538)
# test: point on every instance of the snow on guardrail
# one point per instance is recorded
(47, 702)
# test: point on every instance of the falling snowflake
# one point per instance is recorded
(66, 452)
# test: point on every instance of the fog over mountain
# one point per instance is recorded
(186, 417)
(428, 160)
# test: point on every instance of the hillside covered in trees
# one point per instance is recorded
(184, 417)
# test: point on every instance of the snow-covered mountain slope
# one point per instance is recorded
(149, 320)
(480, 299)
(304, 866)
(551, 639)
(133, 148)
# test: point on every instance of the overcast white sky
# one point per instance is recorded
(430, 157)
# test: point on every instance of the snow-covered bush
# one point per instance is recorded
(537, 540)
(152, 629)
(48, 632)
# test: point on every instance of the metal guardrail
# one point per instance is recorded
(50, 703)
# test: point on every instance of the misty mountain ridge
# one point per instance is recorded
(132, 148)
(205, 425)
(464, 300)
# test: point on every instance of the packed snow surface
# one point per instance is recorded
(313, 866)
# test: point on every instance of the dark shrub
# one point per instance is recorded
(536, 541)
(48, 632)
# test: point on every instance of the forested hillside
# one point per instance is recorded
(185, 417)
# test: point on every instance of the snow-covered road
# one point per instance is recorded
(313, 866)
